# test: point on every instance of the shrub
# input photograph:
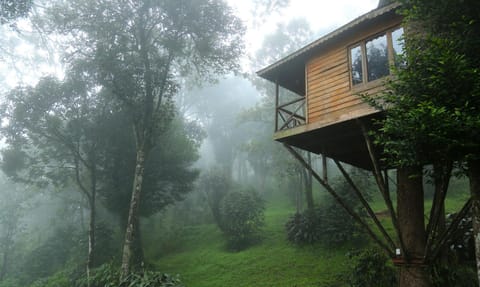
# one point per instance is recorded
(304, 228)
(9, 283)
(328, 223)
(456, 266)
(108, 275)
(370, 268)
(59, 279)
(242, 216)
(216, 184)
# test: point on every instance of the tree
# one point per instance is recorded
(242, 216)
(433, 103)
(12, 209)
(53, 133)
(216, 184)
(140, 48)
(169, 174)
(262, 152)
(10, 10)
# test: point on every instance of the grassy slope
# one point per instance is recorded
(203, 261)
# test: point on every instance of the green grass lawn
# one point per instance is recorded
(204, 262)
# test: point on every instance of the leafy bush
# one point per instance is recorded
(457, 265)
(9, 283)
(370, 268)
(53, 254)
(59, 279)
(216, 184)
(328, 223)
(304, 227)
(242, 216)
(108, 275)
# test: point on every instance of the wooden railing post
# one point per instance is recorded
(277, 91)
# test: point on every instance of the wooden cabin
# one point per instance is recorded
(318, 107)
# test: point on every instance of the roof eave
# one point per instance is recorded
(269, 71)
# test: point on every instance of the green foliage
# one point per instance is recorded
(329, 223)
(11, 10)
(59, 279)
(108, 275)
(305, 227)
(457, 264)
(169, 175)
(242, 217)
(454, 275)
(53, 254)
(370, 268)
(432, 107)
(9, 283)
(215, 183)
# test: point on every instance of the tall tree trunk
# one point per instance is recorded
(474, 176)
(439, 182)
(3, 271)
(5, 259)
(412, 226)
(91, 234)
(132, 222)
(138, 256)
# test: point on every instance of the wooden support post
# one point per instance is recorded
(324, 167)
(277, 92)
(446, 235)
(365, 204)
(382, 186)
(442, 179)
(340, 201)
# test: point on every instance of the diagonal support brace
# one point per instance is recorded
(340, 201)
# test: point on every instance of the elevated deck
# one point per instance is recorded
(342, 140)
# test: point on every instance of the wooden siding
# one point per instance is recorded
(330, 96)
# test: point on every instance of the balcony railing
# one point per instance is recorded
(290, 114)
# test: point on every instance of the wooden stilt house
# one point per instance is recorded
(318, 107)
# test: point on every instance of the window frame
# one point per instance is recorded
(365, 84)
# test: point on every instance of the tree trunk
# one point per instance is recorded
(138, 256)
(132, 228)
(412, 226)
(91, 235)
(474, 176)
(5, 257)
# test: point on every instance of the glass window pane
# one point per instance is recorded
(356, 56)
(377, 58)
(397, 41)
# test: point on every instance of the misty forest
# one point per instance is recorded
(137, 149)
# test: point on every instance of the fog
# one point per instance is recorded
(133, 132)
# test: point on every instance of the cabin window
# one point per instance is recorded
(371, 59)
(357, 72)
(397, 45)
(377, 58)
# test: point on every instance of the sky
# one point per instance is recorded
(323, 16)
